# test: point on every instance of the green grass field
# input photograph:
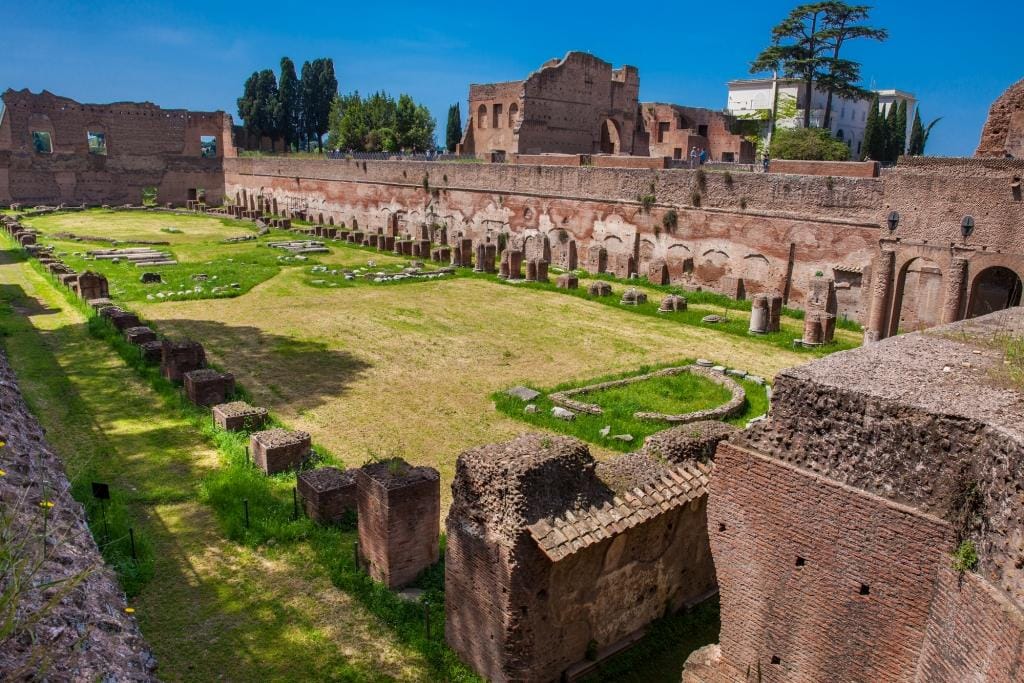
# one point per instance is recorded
(368, 369)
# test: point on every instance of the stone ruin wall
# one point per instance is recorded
(828, 225)
(481, 135)
(146, 147)
(1003, 134)
(87, 635)
(861, 472)
(535, 577)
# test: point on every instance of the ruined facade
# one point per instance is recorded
(1003, 135)
(834, 523)
(673, 130)
(554, 560)
(575, 105)
(54, 150)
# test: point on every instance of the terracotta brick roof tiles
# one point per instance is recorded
(561, 536)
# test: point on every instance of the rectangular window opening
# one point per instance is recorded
(865, 589)
(97, 143)
(800, 561)
(776, 660)
(208, 146)
(41, 142)
(702, 130)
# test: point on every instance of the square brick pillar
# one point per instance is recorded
(278, 450)
(177, 358)
(327, 493)
(206, 387)
(239, 415)
(399, 520)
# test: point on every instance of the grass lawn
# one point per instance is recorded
(674, 394)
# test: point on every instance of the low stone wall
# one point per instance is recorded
(86, 635)
(841, 169)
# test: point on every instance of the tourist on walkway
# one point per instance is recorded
(693, 157)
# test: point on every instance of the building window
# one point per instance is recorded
(662, 129)
(496, 121)
(208, 146)
(702, 130)
(41, 142)
(513, 110)
(97, 143)
(481, 116)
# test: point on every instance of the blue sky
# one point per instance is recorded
(197, 55)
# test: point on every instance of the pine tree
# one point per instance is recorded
(453, 134)
(891, 141)
(874, 136)
(291, 103)
(900, 134)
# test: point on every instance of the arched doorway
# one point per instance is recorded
(610, 140)
(919, 297)
(994, 289)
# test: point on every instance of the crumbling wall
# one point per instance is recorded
(86, 635)
(146, 146)
(1003, 134)
(747, 227)
(550, 558)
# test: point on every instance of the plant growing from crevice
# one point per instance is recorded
(695, 198)
(702, 179)
(830, 182)
(727, 177)
(965, 558)
(743, 203)
(670, 220)
(426, 182)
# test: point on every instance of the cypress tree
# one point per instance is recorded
(891, 151)
(874, 137)
(916, 135)
(453, 134)
(290, 97)
(900, 134)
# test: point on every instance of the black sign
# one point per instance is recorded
(100, 491)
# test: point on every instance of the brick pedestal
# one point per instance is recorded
(152, 351)
(277, 450)
(139, 335)
(399, 520)
(239, 416)
(327, 493)
(122, 320)
(567, 281)
(177, 358)
(208, 387)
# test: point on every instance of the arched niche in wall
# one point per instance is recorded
(918, 296)
(993, 289)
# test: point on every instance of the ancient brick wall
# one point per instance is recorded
(1003, 135)
(495, 112)
(840, 169)
(674, 130)
(794, 552)
(146, 146)
(86, 635)
(744, 227)
(973, 633)
(545, 561)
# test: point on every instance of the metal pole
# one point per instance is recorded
(245, 503)
(295, 503)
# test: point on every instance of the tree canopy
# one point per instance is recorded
(807, 45)
(293, 110)
(453, 133)
(379, 123)
(812, 144)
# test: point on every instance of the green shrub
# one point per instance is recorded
(965, 559)
(809, 144)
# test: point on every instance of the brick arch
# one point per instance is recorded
(986, 267)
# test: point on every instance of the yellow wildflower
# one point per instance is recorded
(2, 473)
(129, 610)
(46, 504)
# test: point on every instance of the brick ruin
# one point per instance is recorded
(833, 524)
(1003, 135)
(554, 561)
(576, 105)
(55, 150)
(673, 131)
(86, 634)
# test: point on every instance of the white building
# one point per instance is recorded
(752, 98)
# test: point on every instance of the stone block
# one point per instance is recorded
(239, 416)
(177, 358)
(208, 387)
(122, 320)
(92, 286)
(567, 281)
(599, 288)
(399, 520)
(139, 335)
(278, 450)
(152, 351)
(327, 493)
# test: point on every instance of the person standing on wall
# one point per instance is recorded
(693, 157)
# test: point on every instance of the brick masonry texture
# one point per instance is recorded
(399, 519)
(850, 169)
(548, 551)
(86, 635)
(833, 523)
(146, 147)
(327, 493)
(1003, 134)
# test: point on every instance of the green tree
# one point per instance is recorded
(900, 131)
(891, 135)
(453, 132)
(319, 88)
(247, 104)
(813, 144)
(259, 107)
(873, 145)
(807, 44)
(290, 95)
(919, 134)
(842, 21)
